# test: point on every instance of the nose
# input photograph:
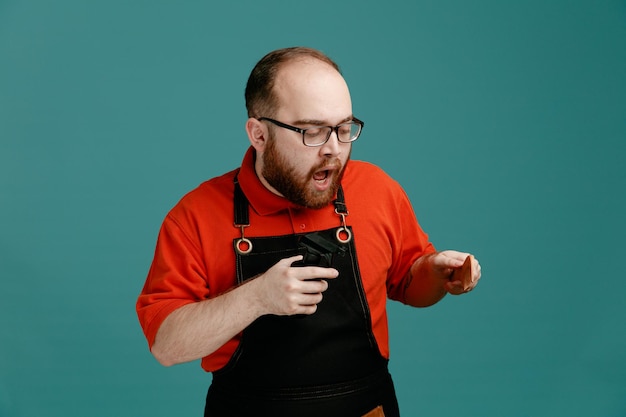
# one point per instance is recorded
(332, 147)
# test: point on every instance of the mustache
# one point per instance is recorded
(334, 163)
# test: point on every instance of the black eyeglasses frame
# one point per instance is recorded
(332, 129)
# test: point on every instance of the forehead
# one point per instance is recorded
(309, 89)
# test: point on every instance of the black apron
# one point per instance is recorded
(324, 364)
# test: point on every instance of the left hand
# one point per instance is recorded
(444, 263)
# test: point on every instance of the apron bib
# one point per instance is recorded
(323, 364)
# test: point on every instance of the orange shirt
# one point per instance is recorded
(194, 257)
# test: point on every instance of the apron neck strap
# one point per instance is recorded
(340, 203)
(241, 206)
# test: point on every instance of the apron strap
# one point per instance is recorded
(241, 206)
(243, 246)
(340, 203)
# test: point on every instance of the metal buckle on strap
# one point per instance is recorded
(243, 246)
(343, 229)
(344, 235)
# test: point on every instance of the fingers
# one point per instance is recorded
(289, 290)
(307, 273)
(468, 274)
(456, 255)
(455, 287)
(310, 272)
(316, 286)
(449, 259)
(309, 300)
(302, 298)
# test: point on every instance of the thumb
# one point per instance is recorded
(453, 259)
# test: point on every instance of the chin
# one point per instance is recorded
(321, 199)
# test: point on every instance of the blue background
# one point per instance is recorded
(504, 121)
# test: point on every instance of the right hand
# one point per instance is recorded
(286, 290)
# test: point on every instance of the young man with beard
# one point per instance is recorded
(277, 274)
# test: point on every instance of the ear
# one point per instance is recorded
(257, 134)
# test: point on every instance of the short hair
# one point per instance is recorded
(261, 100)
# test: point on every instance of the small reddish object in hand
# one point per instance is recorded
(464, 273)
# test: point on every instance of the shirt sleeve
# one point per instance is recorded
(410, 242)
(176, 277)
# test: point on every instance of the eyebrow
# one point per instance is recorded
(315, 122)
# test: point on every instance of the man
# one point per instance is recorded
(276, 274)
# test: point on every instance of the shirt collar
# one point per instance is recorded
(262, 200)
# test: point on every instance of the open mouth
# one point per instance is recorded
(325, 174)
(321, 176)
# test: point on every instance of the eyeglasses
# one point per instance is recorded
(319, 135)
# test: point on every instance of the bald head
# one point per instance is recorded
(311, 92)
(261, 99)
